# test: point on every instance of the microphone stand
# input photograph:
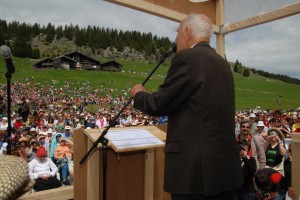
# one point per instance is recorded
(101, 139)
(8, 76)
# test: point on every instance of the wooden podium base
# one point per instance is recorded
(134, 175)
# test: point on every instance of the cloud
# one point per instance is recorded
(272, 47)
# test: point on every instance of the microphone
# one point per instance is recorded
(6, 53)
(169, 53)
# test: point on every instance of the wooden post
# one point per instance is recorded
(296, 162)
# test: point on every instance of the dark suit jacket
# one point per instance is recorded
(201, 154)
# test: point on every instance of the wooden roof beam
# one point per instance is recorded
(280, 13)
(157, 10)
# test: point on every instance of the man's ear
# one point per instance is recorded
(188, 33)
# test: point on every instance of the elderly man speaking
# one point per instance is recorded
(201, 156)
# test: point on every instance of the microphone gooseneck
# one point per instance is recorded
(168, 53)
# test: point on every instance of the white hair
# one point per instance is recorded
(200, 25)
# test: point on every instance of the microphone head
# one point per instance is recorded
(5, 51)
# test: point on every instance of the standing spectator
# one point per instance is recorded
(275, 151)
(262, 134)
(3, 109)
(256, 150)
(246, 192)
(253, 123)
(25, 109)
(200, 142)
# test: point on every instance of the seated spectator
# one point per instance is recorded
(23, 148)
(89, 122)
(42, 141)
(3, 149)
(55, 142)
(62, 155)
(31, 151)
(67, 133)
(43, 171)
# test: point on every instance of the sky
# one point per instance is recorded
(273, 47)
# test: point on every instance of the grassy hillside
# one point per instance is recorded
(250, 92)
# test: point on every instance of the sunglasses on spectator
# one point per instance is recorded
(245, 126)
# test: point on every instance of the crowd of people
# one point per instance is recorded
(264, 140)
(43, 120)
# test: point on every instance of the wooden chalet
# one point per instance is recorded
(64, 62)
(44, 64)
(83, 61)
(111, 66)
(69, 61)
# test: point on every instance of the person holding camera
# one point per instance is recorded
(256, 150)
(275, 151)
(248, 164)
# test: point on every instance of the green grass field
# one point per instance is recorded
(250, 92)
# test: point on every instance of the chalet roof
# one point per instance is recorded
(49, 60)
(111, 62)
(73, 54)
(63, 56)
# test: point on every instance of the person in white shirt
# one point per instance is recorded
(43, 171)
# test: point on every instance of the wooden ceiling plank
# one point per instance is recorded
(280, 13)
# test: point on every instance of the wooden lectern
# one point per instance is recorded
(132, 174)
(296, 162)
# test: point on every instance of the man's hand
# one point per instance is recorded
(136, 89)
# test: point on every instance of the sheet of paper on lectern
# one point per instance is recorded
(132, 138)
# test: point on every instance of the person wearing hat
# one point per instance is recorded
(67, 133)
(50, 134)
(32, 132)
(62, 155)
(33, 147)
(23, 141)
(42, 140)
(296, 126)
(14, 177)
(4, 124)
(253, 125)
(262, 134)
(43, 171)
(59, 129)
